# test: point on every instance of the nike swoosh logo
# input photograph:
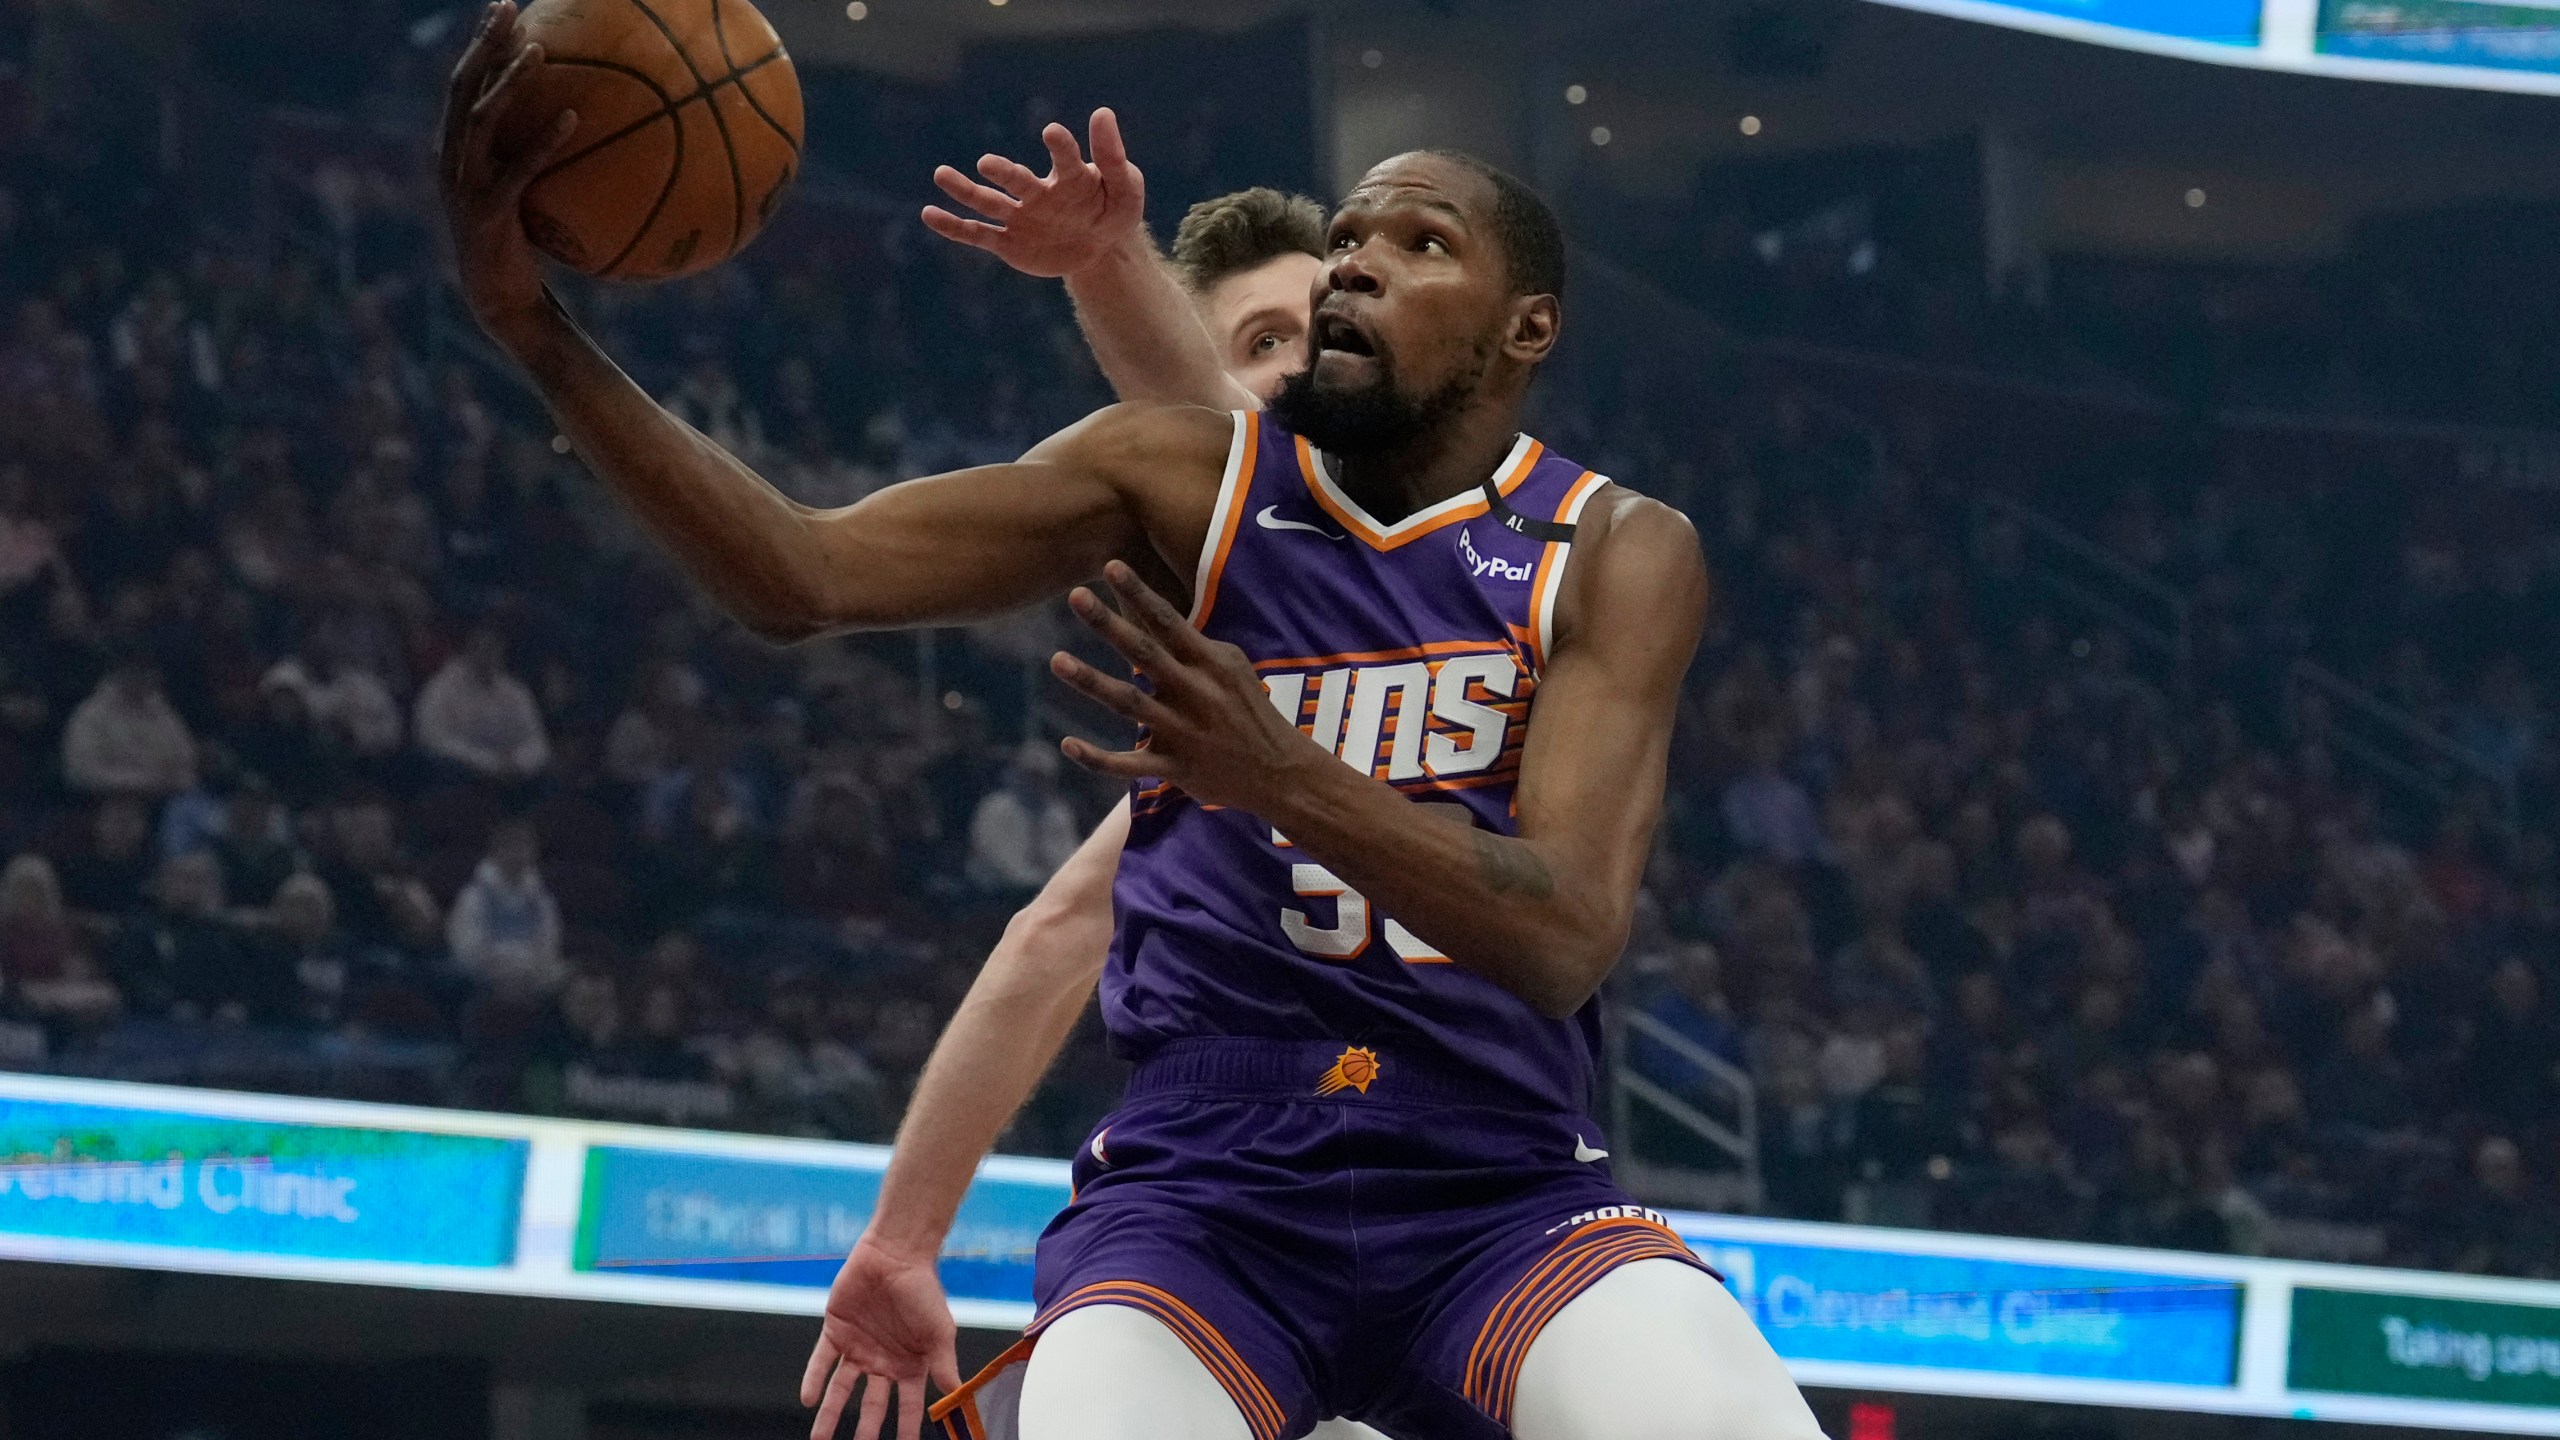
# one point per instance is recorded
(1583, 1153)
(1269, 519)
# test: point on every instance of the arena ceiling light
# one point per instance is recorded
(2467, 44)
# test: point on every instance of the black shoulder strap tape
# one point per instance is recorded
(1551, 531)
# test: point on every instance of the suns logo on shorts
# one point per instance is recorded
(1354, 1069)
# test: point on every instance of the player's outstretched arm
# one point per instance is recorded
(1085, 223)
(1544, 914)
(887, 1317)
(943, 550)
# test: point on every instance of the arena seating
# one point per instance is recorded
(352, 743)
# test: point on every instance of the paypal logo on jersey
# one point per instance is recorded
(1481, 565)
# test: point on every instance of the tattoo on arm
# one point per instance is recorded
(1511, 868)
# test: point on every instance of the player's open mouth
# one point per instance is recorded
(1334, 332)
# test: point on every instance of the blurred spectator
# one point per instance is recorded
(2495, 1227)
(661, 721)
(29, 549)
(185, 958)
(1768, 813)
(284, 743)
(381, 901)
(477, 716)
(106, 870)
(350, 705)
(839, 865)
(125, 739)
(255, 843)
(1683, 989)
(2515, 1058)
(47, 972)
(1025, 830)
(37, 940)
(505, 927)
(306, 936)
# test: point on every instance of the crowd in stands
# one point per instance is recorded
(352, 742)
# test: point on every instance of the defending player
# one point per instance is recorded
(1353, 1173)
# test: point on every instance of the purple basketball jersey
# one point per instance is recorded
(1413, 651)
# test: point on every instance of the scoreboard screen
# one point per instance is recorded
(2476, 44)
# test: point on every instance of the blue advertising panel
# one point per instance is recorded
(257, 1187)
(1948, 1312)
(712, 1217)
(2218, 22)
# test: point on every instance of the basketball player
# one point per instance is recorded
(1355, 1171)
(1224, 324)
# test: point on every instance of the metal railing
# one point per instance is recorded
(2149, 612)
(2394, 746)
(2386, 742)
(1636, 1098)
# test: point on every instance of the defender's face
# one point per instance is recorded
(1259, 319)
(1415, 291)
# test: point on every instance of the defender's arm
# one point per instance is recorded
(943, 550)
(1085, 223)
(886, 1316)
(1145, 333)
(1544, 914)
(1012, 1024)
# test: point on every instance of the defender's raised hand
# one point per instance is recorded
(484, 183)
(1050, 227)
(888, 1329)
(1211, 728)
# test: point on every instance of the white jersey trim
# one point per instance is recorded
(1553, 585)
(1215, 547)
(1509, 473)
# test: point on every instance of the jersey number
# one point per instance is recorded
(1349, 935)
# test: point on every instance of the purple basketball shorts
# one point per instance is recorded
(1335, 1232)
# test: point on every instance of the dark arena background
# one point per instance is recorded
(2099, 973)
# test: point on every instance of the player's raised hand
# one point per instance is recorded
(484, 182)
(888, 1326)
(1211, 728)
(1049, 226)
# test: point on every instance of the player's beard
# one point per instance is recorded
(1372, 418)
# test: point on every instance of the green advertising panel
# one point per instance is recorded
(2361, 1342)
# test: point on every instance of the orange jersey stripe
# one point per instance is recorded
(1377, 539)
(1252, 1397)
(1369, 657)
(1562, 1256)
(1493, 1363)
(1566, 1290)
(1205, 585)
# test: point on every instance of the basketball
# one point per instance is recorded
(689, 129)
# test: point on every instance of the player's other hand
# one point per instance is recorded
(484, 181)
(1050, 227)
(1211, 728)
(887, 1323)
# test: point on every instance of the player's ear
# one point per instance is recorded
(1535, 321)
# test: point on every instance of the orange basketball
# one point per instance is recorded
(688, 133)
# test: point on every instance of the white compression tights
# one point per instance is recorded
(1655, 1350)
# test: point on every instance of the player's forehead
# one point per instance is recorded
(1419, 181)
(1277, 289)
